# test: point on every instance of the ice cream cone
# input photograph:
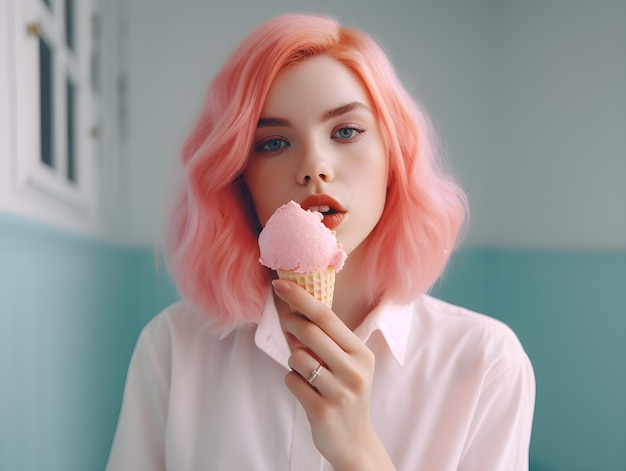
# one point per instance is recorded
(320, 284)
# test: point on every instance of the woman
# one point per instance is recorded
(390, 378)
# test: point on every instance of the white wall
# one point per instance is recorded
(441, 56)
(6, 134)
(529, 100)
(559, 137)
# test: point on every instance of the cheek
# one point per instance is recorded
(375, 175)
(379, 179)
(254, 182)
(264, 186)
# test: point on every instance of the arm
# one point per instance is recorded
(139, 438)
(499, 436)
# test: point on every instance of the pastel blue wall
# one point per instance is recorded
(71, 310)
(569, 310)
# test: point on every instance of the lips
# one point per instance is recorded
(331, 209)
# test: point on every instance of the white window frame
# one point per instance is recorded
(33, 18)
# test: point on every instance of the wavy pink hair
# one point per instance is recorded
(211, 239)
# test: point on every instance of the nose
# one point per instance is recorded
(314, 167)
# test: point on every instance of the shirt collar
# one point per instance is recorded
(269, 336)
(394, 323)
(392, 320)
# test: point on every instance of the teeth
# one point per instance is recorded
(321, 209)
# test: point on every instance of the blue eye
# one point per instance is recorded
(348, 133)
(272, 145)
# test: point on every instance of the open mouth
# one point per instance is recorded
(325, 210)
(330, 208)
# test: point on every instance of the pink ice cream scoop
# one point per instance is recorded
(296, 240)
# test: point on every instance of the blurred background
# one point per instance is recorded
(529, 98)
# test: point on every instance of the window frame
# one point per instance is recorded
(33, 20)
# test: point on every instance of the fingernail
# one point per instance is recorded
(281, 286)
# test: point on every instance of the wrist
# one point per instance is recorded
(371, 455)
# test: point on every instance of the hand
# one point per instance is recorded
(337, 402)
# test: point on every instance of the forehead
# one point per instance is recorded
(317, 83)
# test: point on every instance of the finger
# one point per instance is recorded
(317, 342)
(302, 302)
(316, 374)
(310, 398)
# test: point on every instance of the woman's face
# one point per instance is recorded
(318, 143)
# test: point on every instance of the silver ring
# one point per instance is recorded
(315, 373)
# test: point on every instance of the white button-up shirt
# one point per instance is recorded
(452, 390)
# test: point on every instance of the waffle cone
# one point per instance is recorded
(320, 284)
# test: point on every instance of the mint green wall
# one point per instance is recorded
(569, 310)
(71, 310)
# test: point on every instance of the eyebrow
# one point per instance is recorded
(340, 110)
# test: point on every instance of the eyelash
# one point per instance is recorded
(259, 148)
(358, 132)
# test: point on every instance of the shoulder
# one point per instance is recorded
(180, 314)
(467, 337)
(454, 321)
(178, 323)
(182, 331)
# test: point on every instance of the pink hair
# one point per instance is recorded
(211, 240)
